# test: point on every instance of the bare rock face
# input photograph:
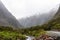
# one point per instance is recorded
(6, 18)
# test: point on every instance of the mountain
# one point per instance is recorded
(54, 23)
(37, 19)
(6, 18)
(56, 17)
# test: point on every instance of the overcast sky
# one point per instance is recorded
(24, 8)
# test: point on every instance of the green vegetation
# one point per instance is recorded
(7, 33)
(33, 31)
(53, 24)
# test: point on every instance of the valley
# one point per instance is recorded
(35, 27)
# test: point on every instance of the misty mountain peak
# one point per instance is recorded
(6, 18)
(38, 19)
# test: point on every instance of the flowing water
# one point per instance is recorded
(51, 33)
(29, 38)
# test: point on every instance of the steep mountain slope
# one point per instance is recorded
(37, 19)
(54, 23)
(56, 17)
(6, 18)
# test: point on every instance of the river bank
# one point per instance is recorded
(50, 35)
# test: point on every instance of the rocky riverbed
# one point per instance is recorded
(52, 35)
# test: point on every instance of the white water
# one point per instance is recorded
(29, 37)
(52, 33)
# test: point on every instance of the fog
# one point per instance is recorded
(26, 8)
